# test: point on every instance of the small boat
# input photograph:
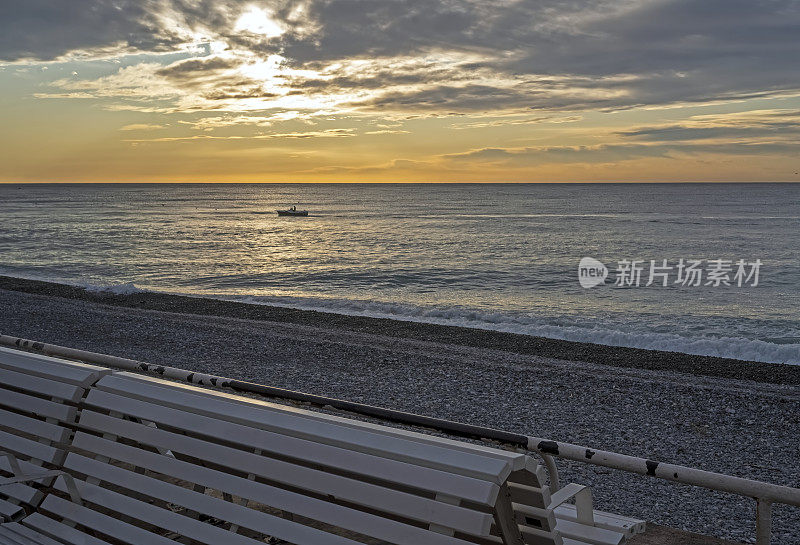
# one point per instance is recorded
(293, 211)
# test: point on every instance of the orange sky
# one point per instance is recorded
(278, 91)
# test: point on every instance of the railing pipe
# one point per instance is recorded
(686, 475)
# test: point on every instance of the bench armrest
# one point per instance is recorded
(583, 501)
(22, 477)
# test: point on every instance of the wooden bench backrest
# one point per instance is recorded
(154, 457)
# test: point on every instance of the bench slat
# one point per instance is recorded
(513, 457)
(105, 524)
(312, 508)
(35, 537)
(21, 445)
(79, 374)
(571, 541)
(19, 491)
(40, 385)
(37, 405)
(325, 455)
(609, 521)
(87, 517)
(200, 531)
(365, 494)
(9, 510)
(7, 537)
(474, 464)
(530, 495)
(33, 426)
(589, 534)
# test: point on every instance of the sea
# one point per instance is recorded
(501, 257)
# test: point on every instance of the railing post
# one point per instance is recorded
(552, 470)
(763, 521)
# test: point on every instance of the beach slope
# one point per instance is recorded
(729, 416)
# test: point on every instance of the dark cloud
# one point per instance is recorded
(379, 80)
(238, 93)
(46, 29)
(759, 132)
(190, 68)
(448, 97)
(612, 153)
(214, 78)
(349, 28)
(683, 50)
(672, 50)
(559, 154)
(747, 127)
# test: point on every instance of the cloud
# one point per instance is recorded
(139, 81)
(141, 127)
(64, 95)
(517, 121)
(756, 132)
(607, 153)
(192, 68)
(387, 131)
(670, 50)
(393, 165)
(753, 126)
(477, 57)
(327, 133)
(484, 154)
(211, 123)
(44, 30)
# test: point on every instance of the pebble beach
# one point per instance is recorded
(729, 416)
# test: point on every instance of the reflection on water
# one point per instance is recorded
(499, 256)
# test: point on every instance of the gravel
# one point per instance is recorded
(749, 428)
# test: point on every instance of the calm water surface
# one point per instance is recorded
(493, 256)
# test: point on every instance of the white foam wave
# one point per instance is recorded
(725, 346)
(735, 347)
(122, 288)
(127, 288)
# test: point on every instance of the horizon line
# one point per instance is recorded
(407, 183)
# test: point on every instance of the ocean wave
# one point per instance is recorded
(127, 288)
(734, 347)
(115, 288)
(779, 348)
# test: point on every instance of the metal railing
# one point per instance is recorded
(765, 494)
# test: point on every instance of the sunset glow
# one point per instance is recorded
(258, 21)
(291, 90)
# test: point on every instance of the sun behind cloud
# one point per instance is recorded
(258, 21)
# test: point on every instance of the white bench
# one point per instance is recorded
(155, 461)
(567, 520)
(38, 404)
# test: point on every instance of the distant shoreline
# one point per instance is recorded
(455, 335)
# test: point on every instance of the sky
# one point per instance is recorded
(399, 90)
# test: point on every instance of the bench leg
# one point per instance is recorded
(505, 518)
